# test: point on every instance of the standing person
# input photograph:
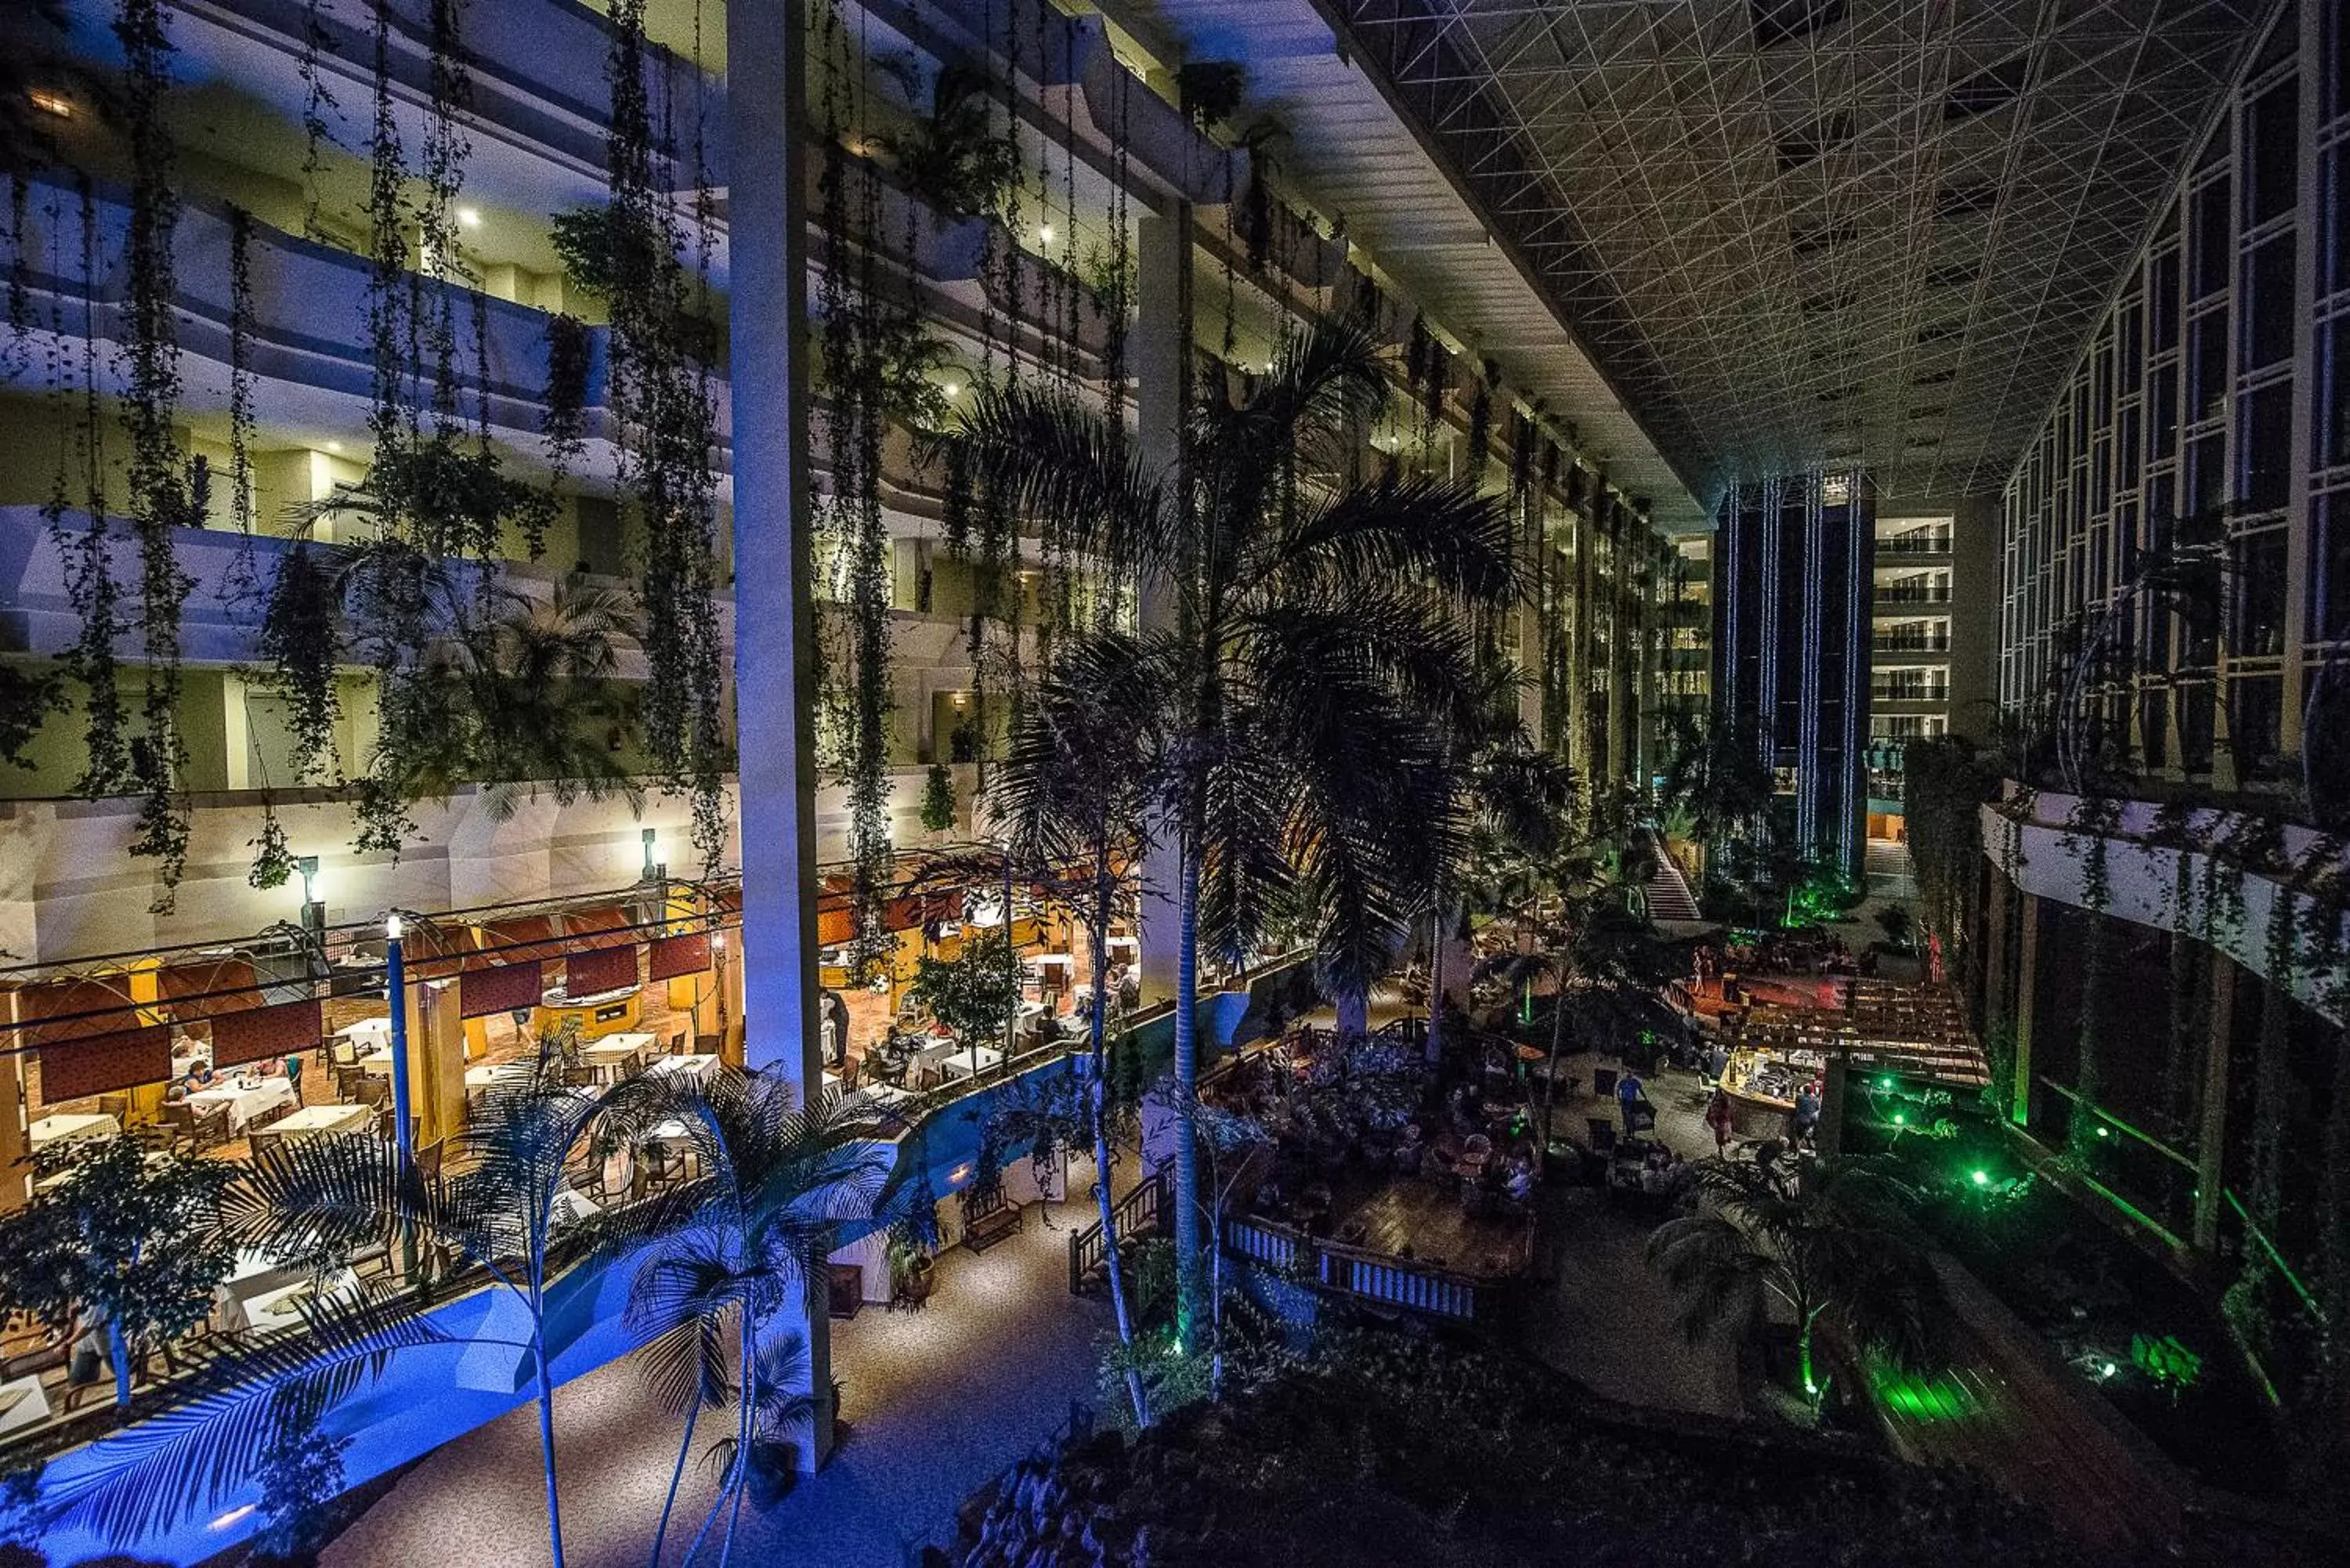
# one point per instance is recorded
(1716, 1060)
(1807, 1114)
(1630, 1093)
(1719, 1116)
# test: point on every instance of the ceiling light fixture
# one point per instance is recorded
(470, 216)
(1045, 233)
(49, 102)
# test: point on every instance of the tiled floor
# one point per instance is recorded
(937, 1402)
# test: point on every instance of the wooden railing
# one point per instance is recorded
(1342, 1270)
(1140, 1214)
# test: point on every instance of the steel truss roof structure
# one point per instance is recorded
(1804, 230)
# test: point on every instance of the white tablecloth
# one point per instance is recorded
(65, 1126)
(313, 1120)
(960, 1064)
(243, 1104)
(22, 1403)
(702, 1067)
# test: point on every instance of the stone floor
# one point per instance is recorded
(1600, 1314)
(937, 1402)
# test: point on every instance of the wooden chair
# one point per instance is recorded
(850, 1074)
(581, 1078)
(262, 1141)
(115, 1105)
(677, 1043)
(374, 1093)
(706, 1045)
(349, 1083)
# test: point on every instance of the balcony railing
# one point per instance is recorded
(1909, 645)
(1915, 545)
(1908, 594)
(1909, 692)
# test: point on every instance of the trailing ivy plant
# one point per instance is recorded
(660, 342)
(2087, 836)
(302, 640)
(272, 856)
(938, 799)
(858, 331)
(165, 495)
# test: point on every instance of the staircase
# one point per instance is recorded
(1138, 1215)
(1668, 891)
(1889, 872)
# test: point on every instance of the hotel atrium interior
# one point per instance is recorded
(1117, 783)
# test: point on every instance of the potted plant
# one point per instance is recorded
(913, 1268)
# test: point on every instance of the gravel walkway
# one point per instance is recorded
(937, 1402)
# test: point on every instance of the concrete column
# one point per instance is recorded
(2027, 988)
(1578, 658)
(1993, 956)
(775, 623)
(1160, 350)
(2212, 1124)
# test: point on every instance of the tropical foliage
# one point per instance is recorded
(1311, 669)
(1836, 1251)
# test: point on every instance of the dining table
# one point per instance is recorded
(313, 1121)
(280, 1306)
(245, 1100)
(611, 1055)
(966, 1060)
(64, 1127)
(702, 1068)
(22, 1403)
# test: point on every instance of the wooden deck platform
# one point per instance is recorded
(2006, 1409)
(1420, 1218)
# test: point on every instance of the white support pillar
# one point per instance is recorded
(774, 631)
(1161, 349)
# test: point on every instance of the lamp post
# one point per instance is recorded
(403, 1141)
(313, 913)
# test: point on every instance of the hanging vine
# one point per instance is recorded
(858, 331)
(239, 584)
(661, 402)
(2088, 837)
(164, 493)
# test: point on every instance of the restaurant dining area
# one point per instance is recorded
(237, 1055)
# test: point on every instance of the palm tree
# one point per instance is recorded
(778, 1181)
(1837, 1250)
(1070, 798)
(315, 1203)
(1312, 660)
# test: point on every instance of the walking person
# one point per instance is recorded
(1807, 1115)
(1630, 1095)
(1718, 1117)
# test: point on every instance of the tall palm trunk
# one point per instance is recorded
(745, 1432)
(1188, 1283)
(547, 1430)
(1436, 923)
(1097, 1026)
(676, 1480)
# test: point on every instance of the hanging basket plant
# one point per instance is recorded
(272, 857)
(954, 157)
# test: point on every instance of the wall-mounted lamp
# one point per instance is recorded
(655, 870)
(392, 926)
(56, 103)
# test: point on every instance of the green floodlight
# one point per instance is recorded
(1983, 1178)
(1899, 1119)
(2104, 1131)
(1886, 1082)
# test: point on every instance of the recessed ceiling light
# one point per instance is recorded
(1045, 233)
(49, 102)
(334, 446)
(470, 216)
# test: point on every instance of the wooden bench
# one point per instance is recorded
(988, 1218)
